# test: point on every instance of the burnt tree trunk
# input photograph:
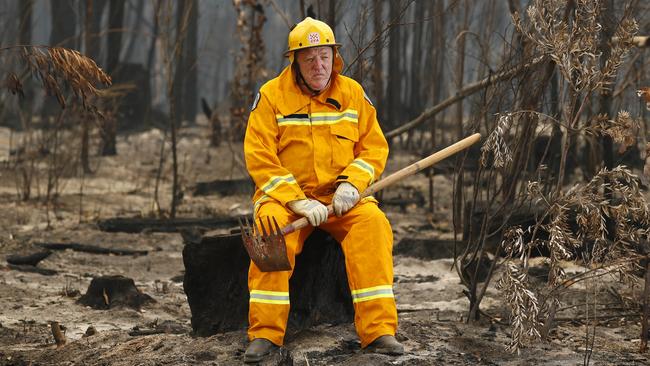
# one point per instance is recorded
(377, 68)
(216, 272)
(190, 82)
(115, 24)
(62, 34)
(86, 117)
(25, 37)
(394, 55)
(114, 47)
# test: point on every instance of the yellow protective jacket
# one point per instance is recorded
(299, 146)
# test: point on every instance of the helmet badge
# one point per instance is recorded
(314, 38)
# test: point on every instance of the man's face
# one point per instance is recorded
(316, 65)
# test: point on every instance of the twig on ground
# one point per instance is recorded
(59, 337)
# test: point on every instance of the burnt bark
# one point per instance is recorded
(216, 270)
(63, 34)
(25, 37)
(377, 78)
(185, 77)
(115, 25)
(393, 99)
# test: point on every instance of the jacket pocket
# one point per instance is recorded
(344, 136)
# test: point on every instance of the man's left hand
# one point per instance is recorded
(345, 197)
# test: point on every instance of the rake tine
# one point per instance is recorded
(243, 228)
(264, 233)
(277, 227)
(250, 228)
(256, 228)
(270, 226)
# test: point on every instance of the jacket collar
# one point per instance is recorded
(294, 99)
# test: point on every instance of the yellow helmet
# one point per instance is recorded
(313, 33)
(310, 33)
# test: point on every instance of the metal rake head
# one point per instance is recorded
(265, 244)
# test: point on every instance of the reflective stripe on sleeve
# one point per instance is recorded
(258, 203)
(371, 293)
(269, 297)
(275, 182)
(359, 163)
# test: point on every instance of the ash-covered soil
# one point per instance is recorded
(431, 304)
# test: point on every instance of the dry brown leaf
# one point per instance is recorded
(14, 85)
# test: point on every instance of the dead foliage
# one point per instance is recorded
(598, 224)
(58, 68)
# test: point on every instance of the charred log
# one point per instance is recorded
(30, 259)
(91, 249)
(137, 225)
(216, 270)
(224, 187)
(110, 291)
(429, 249)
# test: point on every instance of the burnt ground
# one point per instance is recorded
(431, 304)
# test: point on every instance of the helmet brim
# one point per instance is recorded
(337, 45)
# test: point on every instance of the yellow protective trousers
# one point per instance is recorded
(366, 238)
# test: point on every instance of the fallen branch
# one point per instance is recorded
(591, 317)
(461, 94)
(91, 249)
(136, 332)
(146, 332)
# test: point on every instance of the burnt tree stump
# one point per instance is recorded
(216, 273)
(107, 292)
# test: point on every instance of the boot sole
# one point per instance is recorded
(385, 350)
(256, 358)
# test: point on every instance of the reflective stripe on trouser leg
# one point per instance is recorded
(367, 241)
(269, 291)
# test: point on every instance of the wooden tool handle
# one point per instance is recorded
(398, 175)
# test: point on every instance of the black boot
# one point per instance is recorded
(386, 344)
(258, 349)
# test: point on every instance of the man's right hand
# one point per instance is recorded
(314, 211)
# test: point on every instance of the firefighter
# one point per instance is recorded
(313, 139)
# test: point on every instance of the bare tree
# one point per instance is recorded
(185, 95)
